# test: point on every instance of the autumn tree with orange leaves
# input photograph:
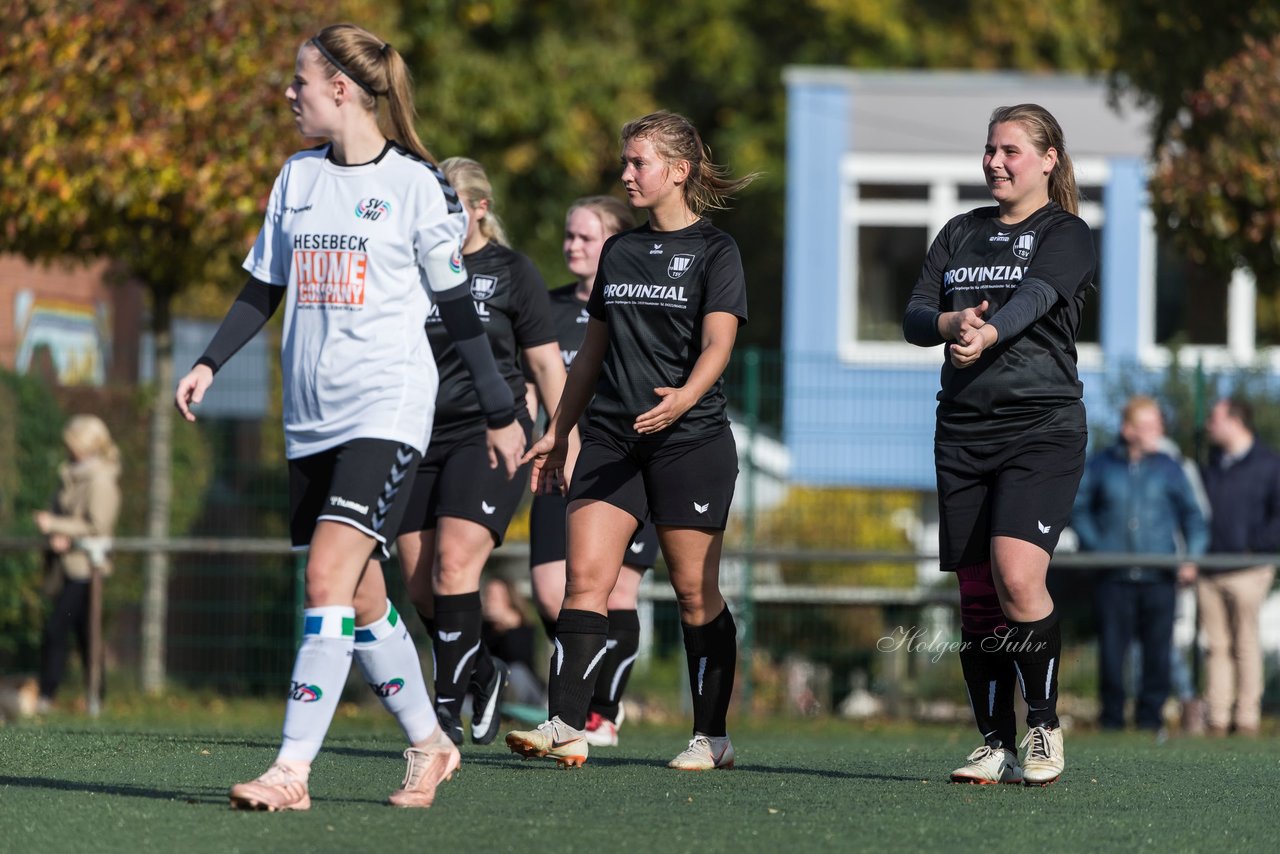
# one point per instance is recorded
(148, 133)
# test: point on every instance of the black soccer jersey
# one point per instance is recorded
(653, 289)
(570, 316)
(511, 300)
(1028, 382)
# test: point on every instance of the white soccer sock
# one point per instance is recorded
(393, 670)
(319, 673)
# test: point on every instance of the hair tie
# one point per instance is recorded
(333, 60)
(386, 46)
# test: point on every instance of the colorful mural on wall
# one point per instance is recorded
(76, 334)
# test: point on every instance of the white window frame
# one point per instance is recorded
(945, 174)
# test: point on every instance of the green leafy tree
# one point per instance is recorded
(1217, 182)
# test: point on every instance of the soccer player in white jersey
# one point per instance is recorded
(1003, 289)
(589, 222)
(355, 234)
(668, 299)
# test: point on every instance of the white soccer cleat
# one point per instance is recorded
(988, 765)
(429, 766)
(1044, 759)
(553, 738)
(282, 787)
(602, 732)
(705, 753)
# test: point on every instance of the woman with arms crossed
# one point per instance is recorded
(356, 231)
(1010, 437)
(665, 310)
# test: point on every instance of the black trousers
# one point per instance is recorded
(1127, 610)
(70, 613)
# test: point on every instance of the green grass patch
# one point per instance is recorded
(125, 785)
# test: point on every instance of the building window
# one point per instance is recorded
(1191, 303)
(889, 258)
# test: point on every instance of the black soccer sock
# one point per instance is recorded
(577, 651)
(712, 651)
(990, 677)
(1036, 649)
(455, 644)
(622, 647)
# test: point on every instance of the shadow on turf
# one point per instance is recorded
(206, 795)
(612, 762)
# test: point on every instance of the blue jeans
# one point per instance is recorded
(1127, 610)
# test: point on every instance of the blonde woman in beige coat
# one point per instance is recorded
(77, 529)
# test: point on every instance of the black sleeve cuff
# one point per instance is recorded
(207, 362)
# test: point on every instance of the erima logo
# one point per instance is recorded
(636, 548)
(1044, 529)
(448, 637)
(583, 317)
(387, 689)
(994, 273)
(482, 287)
(679, 263)
(487, 507)
(350, 505)
(656, 250)
(1022, 246)
(304, 693)
(373, 209)
(702, 508)
(999, 237)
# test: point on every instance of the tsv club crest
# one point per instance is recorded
(482, 287)
(1022, 246)
(679, 263)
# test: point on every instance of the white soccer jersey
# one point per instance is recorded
(358, 247)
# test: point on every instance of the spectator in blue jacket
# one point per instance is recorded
(1242, 480)
(1134, 498)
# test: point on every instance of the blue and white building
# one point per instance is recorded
(877, 162)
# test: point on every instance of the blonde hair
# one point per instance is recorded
(379, 71)
(613, 213)
(674, 137)
(1044, 132)
(87, 436)
(1137, 404)
(469, 179)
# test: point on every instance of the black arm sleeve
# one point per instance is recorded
(460, 321)
(920, 326)
(1030, 302)
(249, 313)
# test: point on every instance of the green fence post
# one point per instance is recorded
(751, 403)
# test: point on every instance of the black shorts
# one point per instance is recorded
(681, 483)
(547, 535)
(454, 479)
(364, 483)
(1022, 489)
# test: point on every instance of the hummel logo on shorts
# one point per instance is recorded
(487, 508)
(1044, 529)
(701, 508)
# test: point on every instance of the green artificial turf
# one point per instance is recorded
(122, 785)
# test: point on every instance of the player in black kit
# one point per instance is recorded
(665, 310)
(588, 223)
(462, 502)
(1003, 289)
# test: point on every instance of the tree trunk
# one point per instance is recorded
(155, 598)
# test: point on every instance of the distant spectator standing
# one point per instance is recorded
(77, 529)
(1242, 480)
(1136, 498)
